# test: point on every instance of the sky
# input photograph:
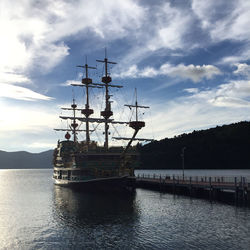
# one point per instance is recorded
(189, 60)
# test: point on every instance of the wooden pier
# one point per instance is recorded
(230, 189)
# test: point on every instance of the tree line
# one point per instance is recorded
(223, 147)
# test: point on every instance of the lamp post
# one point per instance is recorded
(183, 162)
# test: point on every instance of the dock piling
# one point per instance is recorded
(221, 188)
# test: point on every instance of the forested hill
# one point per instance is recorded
(24, 160)
(224, 147)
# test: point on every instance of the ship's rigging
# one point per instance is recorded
(107, 113)
(87, 164)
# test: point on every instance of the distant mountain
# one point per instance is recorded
(223, 147)
(23, 160)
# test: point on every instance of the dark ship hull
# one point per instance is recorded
(114, 184)
(94, 169)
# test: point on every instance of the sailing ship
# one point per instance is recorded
(86, 164)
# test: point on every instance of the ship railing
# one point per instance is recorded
(236, 180)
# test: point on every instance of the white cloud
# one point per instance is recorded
(10, 77)
(49, 55)
(32, 33)
(233, 94)
(236, 89)
(111, 19)
(201, 109)
(23, 118)
(132, 72)
(192, 90)
(210, 11)
(170, 26)
(242, 69)
(224, 19)
(235, 25)
(24, 127)
(242, 54)
(225, 101)
(69, 82)
(192, 72)
(185, 115)
(20, 93)
(34, 30)
(163, 29)
(41, 145)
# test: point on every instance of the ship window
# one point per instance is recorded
(75, 172)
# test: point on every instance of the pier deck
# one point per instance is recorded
(232, 189)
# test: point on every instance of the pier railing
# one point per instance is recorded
(218, 180)
(234, 189)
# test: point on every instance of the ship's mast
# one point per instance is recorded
(136, 105)
(107, 113)
(136, 125)
(74, 124)
(87, 111)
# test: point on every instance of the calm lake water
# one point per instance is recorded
(35, 214)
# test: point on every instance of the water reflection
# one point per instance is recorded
(35, 214)
(81, 209)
